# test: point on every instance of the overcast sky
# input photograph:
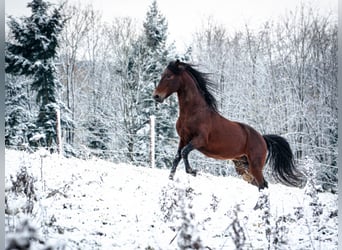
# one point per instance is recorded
(186, 16)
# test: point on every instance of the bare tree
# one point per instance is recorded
(122, 35)
(72, 44)
(281, 78)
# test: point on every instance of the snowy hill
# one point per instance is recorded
(94, 204)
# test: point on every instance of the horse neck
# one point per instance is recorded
(189, 96)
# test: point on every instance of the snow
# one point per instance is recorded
(37, 137)
(95, 204)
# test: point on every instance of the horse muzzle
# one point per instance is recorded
(158, 98)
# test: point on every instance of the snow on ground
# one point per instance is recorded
(95, 204)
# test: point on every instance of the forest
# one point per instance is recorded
(280, 78)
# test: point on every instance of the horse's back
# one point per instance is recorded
(255, 139)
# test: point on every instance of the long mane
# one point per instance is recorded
(203, 83)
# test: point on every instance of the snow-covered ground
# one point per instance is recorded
(95, 204)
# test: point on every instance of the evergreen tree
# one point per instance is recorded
(32, 55)
(97, 134)
(148, 58)
(155, 36)
(157, 56)
(17, 115)
(132, 107)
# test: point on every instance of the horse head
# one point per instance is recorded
(170, 81)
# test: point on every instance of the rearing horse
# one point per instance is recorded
(201, 127)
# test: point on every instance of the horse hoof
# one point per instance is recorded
(263, 186)
(193, 173)
(171, 177)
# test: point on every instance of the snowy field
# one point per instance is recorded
(94, 204)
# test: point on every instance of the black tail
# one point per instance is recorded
(281, 160)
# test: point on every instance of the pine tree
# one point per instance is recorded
(148, 57)
(33, 55)
(17, 115)
(158, 54)
(97, 133)
(134, 116)
(155, 36)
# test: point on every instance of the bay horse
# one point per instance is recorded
(200, 126)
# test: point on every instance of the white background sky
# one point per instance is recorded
(186, 16)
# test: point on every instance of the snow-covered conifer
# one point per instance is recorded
(158, 56)
(148, 58)
(32, 55)
(17, 112)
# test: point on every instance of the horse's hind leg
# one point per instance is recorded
(255, 168)
(251, 170)
(241, 167)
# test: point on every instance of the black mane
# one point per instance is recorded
(202, 81)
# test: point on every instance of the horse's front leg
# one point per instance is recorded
(182, 153)
(185, 152)
(175, 164)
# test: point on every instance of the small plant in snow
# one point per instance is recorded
(276, 228)
(26, 237)
(188, 234)
(311, 191)
(264, 205)
(214, 202)
(236, 231)
(315, 207)
(176, 207)
(23, 184)
(280, 232)
(299, 213)
(22, 202)
(168, 201)
(22, 238)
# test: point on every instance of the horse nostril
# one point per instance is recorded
(156, 97)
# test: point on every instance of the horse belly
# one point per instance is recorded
(225, 146)
(224, 154)
(218, 156)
